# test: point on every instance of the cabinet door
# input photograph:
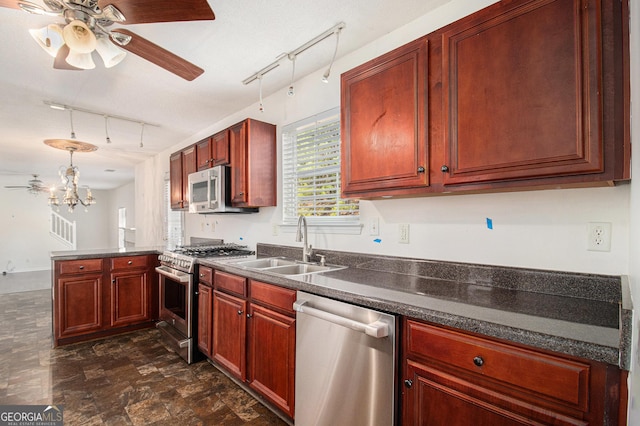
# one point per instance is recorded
(238, 152)
(229, 333)
(79, 305)
(220, 148)
(384, 122)
(429, 403)
(130, 297)
(205, 319)
(175, 180)
(271, 369)
(522, 92)
(204, 154)
(189, 165)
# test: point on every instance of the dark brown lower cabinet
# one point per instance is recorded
(272, 347)
(78, 305)
(99, 297)
(205, 319)
(454, 378)
(254, 336)
(229, 333)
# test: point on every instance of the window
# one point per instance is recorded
(311, 172)
(174, 220)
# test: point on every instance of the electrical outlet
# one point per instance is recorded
(374, 226)
(599, 236)
(274, 229)
(403, 233)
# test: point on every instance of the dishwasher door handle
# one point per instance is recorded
(375, 329)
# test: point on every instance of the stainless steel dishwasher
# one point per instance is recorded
(345, 364)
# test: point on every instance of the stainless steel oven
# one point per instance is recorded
(178, 304)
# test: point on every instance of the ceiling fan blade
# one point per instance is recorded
(59, 62)
(12, 4)
(149, 11)
(17, 187)
(159, 56)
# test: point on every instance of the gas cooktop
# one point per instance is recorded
(216, 250)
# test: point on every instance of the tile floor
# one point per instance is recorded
(125, 380)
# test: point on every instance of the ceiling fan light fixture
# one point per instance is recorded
(79, 37)
(121, 39)
(49, 38)
(111, 54)
(80, 60)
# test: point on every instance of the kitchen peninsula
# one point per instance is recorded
(574, 326)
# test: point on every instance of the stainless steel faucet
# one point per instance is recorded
(301, 235)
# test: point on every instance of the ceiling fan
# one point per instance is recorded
(88, 23)
(34, 186)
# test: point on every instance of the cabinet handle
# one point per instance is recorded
(478, 361)
(113, 281)
(249, 315)
(444, 168)
(420, 169)
(197, 293)
(130, 262)
(239, 312)
(408, 383)
(81, 267)
(242, 193)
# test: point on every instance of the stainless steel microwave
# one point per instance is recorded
(210, 192)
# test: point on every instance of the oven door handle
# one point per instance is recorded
(177, 276)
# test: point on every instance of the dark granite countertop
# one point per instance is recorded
(109, 252)
(584, 315)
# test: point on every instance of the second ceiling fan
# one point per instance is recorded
(88, 25)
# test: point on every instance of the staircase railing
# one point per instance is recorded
(63, 230)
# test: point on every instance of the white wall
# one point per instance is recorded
(123, 196)
(535, 229)
(25, 243)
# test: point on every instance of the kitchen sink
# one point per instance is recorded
(265, 263)
(282, 266)
(303, 268)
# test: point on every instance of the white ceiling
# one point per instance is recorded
(246, 36)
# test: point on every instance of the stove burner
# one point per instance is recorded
(224, 250)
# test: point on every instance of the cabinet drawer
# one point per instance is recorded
(273, 296)
(230, 283)
(205, 275)
(80, 266)
(128, 262)
(561, 379)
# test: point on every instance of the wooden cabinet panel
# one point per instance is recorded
(565, 380)
(189, 165)
(205, 275)
(273, 296)
(220, 148)
(229, 333)
(85, 308)
(252, 147)
(128, 262)
(82, 266)
(175, 180)
(130, 298)
(230, 283)
(271, 363)
(522, 92)
(384, 119)
(79, 305)
(205, 319)
(438, 399)
(451, 376)
(203, 154)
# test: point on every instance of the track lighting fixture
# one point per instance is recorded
(325, 76)
(291, 91)
(292, 56)
(106, 129)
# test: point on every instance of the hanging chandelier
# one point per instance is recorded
(69, 175)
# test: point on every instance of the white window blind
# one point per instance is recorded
(174, 219)
(311, 172)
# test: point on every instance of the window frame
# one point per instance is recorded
(348, 223)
